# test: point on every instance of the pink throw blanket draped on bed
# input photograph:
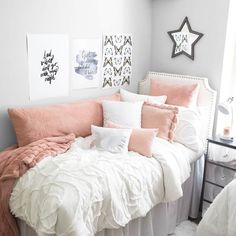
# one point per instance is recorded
(14, 162)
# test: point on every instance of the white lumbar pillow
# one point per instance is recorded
(134, 97)
(188, 128)
(111, 139)
(127, 114)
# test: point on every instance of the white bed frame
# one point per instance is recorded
(162, 219)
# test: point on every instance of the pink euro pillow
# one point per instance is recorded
(35, 123)
(177, 94)
(141, 140)
(161, 117)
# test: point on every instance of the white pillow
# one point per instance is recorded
(134, 97)
(188, 128)
(110, 139)
(127, 114)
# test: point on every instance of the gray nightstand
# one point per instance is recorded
(220, 169)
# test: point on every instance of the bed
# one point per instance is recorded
(158, 216)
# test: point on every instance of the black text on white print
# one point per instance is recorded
(49, 67)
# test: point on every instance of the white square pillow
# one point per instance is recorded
(111, 139)
(127, 114)
(188, 128)
(134, 97)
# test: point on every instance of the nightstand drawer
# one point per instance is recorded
(218, 174)
(211, 191)
(220, 153)
(205, 206)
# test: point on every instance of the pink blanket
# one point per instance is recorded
(14, 162)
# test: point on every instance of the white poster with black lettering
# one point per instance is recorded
(48, 65)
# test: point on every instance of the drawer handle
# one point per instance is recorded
(223, 177)
(226, 155)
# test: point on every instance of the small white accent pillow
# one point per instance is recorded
(111, 139)
(188, 128)
(127, 96)
(127, 114)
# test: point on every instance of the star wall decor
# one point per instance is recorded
(184, 40)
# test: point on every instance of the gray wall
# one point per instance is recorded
(206, 16)
(78, 18)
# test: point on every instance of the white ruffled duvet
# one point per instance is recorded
(220, 218)
(84, 191)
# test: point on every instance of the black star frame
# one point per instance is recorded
(184, 40)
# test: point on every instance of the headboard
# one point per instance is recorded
(206, 97)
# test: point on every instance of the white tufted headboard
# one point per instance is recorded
(206, 97)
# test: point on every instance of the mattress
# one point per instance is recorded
(89, 191)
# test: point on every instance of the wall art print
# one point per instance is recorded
(86, 56)
(48, 65)
(184, 40)
(117, 60)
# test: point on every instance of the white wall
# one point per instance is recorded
(228, 84)
(208, 17)
(78, 18)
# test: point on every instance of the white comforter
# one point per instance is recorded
(220, 218)
(84, 191)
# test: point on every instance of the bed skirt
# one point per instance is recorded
(163, 218)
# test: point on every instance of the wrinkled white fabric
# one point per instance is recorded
(84, 191)
(220, 217)
(188, 129)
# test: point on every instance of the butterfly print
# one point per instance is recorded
(107, 71)
(108, 61)
(108, 39)
(126, 79)
(127, 40)
(118, 50)
(117, 60)
(117, 72)
(118, 39)
(127, 60)
(107, 81)
(116, 82)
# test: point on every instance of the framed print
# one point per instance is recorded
(86, 56)
(48, 65)
(117, 60)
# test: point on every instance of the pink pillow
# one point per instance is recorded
(35, 123)
(177, 94)
(162, 117)
(141, 140)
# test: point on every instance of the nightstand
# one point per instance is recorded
(220, 169)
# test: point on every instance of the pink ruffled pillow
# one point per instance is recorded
(32, 124)
(177, 94)
(162, 117)
(141, 140)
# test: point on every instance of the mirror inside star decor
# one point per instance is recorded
(184, 40)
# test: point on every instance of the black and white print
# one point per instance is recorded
(48, 65)
(184, 40)
(117, 60)
(86, 54)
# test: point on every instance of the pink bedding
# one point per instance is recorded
(14, 162)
